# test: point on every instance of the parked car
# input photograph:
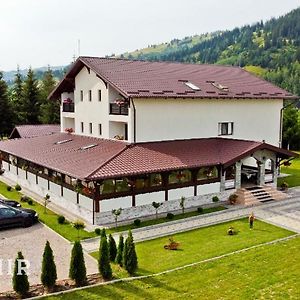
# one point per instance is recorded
(13, 217)
(9, 202)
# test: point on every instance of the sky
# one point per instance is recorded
(46, 32)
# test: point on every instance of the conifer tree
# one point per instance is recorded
(77, 270)
(130, 261)
(119, 258)
(31, 99)
(49, 111)
(103, 233)
(49, 275)
(6, 114)
(20, 278)
(103, 262)
(112, 248)
(17, 99)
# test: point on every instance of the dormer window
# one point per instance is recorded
(192, 86)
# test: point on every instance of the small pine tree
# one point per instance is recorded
(77, 266)
(49, 275)
(103, 263)
(112, 248)
(119, 258)
(130, 261)
(103, 233)
(20, 278)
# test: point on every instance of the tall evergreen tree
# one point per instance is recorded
(112, 248)
(17, 99)
(20, 278)
(77, 270)
(119, 258)
(49, 275)
(31, 99)
(49, 111)
(103, 262)
(6, 114)
(130, 261)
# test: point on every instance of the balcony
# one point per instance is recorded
(116, 109)
(68, 107)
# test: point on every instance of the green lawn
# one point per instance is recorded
(268, 272)
(294, 171)
(200, 244)
(67, 230)
(50, 218)
(164, 220)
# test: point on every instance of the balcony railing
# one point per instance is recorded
(68, 107)
(115, 109)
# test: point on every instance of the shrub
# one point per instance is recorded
(284, 186)
(232, 198)
(9, 188)
(20, 281)
(231, 231)
(137, 222)
(112, 247)
(30, 202)
(97, 231)
(182, 204)
(170, 216)
(130, 261)
(61, 219)
(200, 209)
(79, 225)
(119, 258)
(77, 266)
(103, 233)
(215, 199)
(18, 187)
(24, 198)
(49, 275)
(103, 262)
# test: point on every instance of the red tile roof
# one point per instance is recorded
(28, 131)
(143, 79)
(115, 158)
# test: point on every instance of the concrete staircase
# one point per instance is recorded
(259, 194)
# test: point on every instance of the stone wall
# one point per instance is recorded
(132, 213)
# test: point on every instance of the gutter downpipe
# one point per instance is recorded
(134, 120)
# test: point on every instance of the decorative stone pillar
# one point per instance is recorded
(261, 166)
(222, 180)
(238, 175)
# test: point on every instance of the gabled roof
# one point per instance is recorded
(28, 131)
(112, 159)
(144, 79)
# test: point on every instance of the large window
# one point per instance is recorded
(114, 186)
(149, 180)
(226, 128)
(180, 177)
(207, 173)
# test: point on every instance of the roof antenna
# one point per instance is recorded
(78, 47)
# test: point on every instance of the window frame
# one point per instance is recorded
(90, 95)
(81, 95)
(91, 128)
(229, 128)
(100, 129)
(82, 127)
(99, 95)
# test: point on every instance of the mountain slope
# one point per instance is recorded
(270, 50)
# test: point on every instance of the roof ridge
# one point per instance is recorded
(109, 160)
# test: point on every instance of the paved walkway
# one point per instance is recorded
(285, 213)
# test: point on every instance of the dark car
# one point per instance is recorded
(11, 203)
(13, 217)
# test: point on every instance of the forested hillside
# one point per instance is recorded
(270, 50)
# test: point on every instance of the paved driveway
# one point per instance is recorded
(31, 242)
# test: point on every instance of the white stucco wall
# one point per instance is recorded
(167, 119)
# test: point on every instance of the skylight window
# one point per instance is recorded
(88, 147)
(192, 86)
(221, 87)
(63, 141)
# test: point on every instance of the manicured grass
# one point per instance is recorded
(200, 244)
(164, 219)
(268, 272)
(67, 230)
(294, 171)
(49, 218)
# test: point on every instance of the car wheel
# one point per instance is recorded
(27, 223)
